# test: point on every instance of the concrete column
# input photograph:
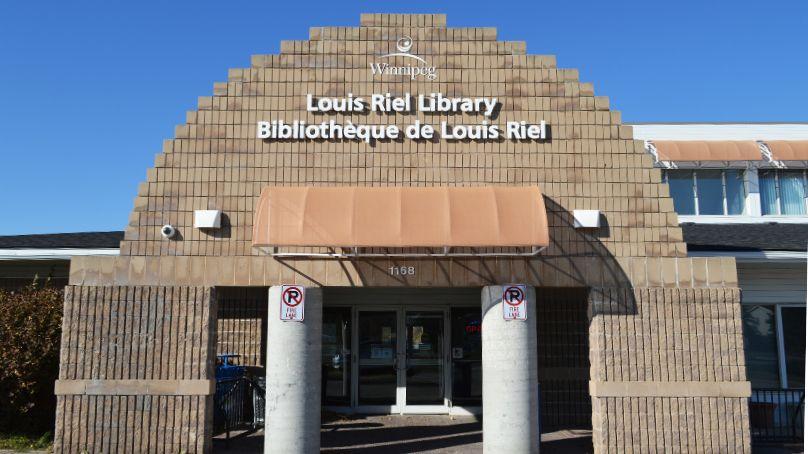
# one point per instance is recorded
(292, 424)
(510, 378)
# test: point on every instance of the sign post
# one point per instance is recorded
(514, 302)
(292, 303)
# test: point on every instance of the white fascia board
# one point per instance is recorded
(728, 131)
(732, 219)
(720, 165)
(54, 254)
(754, 256)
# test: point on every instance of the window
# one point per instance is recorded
(793, 321)
(774, 345)
(336, 356)
(760, 346)
(735, 191)
(681, 187)
(782, 192)
(707, 192)
(467, 368)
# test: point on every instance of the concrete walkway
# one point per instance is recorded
(394, 434)
(415, 433)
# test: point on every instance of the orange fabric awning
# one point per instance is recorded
(707, 150)
(788, 150)
(401, 217)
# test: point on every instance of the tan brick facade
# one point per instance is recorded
(663, 322)
(135, 370)
(667, 370)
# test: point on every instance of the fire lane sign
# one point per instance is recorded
(514, 302)
(292, 303)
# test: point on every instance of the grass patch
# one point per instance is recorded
(22, 442)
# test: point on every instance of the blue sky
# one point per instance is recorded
(89, 90)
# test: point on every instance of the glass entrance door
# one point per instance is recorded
(425, 360)
(337, 358)
(401, 362)
(377, 367)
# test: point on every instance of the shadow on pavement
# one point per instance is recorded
(338, 438)
(386, 435)
(578, 445)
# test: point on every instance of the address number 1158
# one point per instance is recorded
(402, 270)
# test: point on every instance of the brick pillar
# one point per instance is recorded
(136, 370)
(667, 370)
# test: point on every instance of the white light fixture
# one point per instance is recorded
(207, 219)
(586, 219)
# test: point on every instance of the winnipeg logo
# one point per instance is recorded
(421, 69)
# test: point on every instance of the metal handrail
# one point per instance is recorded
(797, 411)
(238, 404)
(777, 415)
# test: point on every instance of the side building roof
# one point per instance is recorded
(78, 240)
(746, 237)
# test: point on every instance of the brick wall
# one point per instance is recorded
(563, 360)
(134, 365)
(241, 324)
(671, 424)
(215, 162)
(668, 370)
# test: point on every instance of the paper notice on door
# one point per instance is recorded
(387, 334)
(417, 335)
(380, 352)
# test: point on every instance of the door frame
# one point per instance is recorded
(445, 356)
(373, 409)
(400, 406)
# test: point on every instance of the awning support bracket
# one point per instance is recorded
(446, 253)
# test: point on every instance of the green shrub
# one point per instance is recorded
(25, 443)
(30, 328)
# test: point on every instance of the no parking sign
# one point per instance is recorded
(514, 302)
(292, 302)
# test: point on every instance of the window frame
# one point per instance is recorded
(779, 339)
(781, 344)
(693, 195)
(778, 204)
(724, 202)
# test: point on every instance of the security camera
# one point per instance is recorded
(168, 231)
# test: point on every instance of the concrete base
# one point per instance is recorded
(293, 377)
(510, 377)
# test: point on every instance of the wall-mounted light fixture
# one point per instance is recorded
(586, 219)
(207, 219)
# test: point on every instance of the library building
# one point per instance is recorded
(405, 218)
